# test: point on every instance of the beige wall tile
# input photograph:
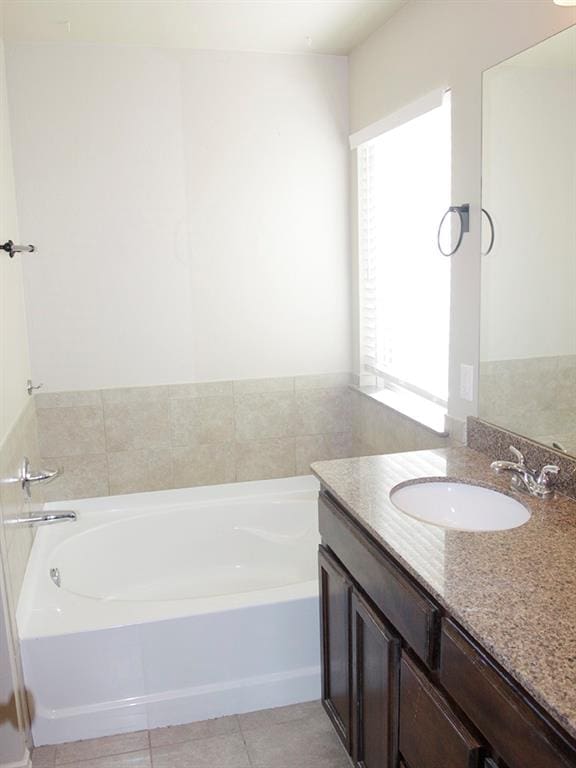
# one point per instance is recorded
(252, 386)
(388, 431)
(323, 381)
(323, 411)
(320, 448)
(265, 459)
(82, 477)
(67, 399)
(264, 415)
(135, 394)
(70, 431)
(202, 420)
(135, 425)
(203, 389)
(203, 465)
(140, 471)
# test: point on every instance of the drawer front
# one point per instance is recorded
(431, 735)
(406, 607)
(505, 718)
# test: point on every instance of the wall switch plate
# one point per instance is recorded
(467, 382)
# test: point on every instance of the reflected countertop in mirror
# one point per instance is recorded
(528, 311)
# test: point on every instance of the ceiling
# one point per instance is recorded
(286, 26)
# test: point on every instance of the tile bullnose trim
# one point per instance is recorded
(495, 442)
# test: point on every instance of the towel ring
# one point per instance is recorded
(463, 212)
(492, 232)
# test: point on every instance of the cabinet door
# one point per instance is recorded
(431, 733)
(335, 594)
(376, 656)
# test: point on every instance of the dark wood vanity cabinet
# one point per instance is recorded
(335, 597)
(360, 669)
(403, 684)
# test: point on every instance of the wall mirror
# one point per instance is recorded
(528, 308)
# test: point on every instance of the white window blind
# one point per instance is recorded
(403, 190)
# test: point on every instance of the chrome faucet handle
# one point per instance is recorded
(26, 476)
(518, 455)
(517, 466)
(547, 475)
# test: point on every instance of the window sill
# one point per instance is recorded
(419, 410)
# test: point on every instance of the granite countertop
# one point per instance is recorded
(514, 591)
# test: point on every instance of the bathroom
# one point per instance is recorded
(165, 360)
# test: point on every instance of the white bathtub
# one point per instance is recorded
(174, 606)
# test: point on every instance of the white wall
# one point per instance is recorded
(14, 359)
(529, 187)
(190, 212)
(427, 45)
(14, 370)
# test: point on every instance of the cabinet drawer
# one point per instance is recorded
(405, 606)
(431, 735)
(505, 717)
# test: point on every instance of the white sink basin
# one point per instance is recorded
(459, 506)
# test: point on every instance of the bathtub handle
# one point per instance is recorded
(26, 476)
(48, 518)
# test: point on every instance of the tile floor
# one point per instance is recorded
(299, 736)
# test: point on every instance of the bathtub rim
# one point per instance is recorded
(90, 615)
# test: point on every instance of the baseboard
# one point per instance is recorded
(176, 707)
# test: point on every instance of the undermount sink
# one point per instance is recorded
(460, 506)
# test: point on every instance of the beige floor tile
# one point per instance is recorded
(176, 734)
(109, 745)
(266, 717)
(140, 759)
(217, 752)
(43, 757)
(303, 743)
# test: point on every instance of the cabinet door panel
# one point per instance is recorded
(376, 655)
(431, 735)
(335, 595)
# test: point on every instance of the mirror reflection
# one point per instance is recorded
(528, 315)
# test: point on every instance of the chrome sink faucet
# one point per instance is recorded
(540, 484)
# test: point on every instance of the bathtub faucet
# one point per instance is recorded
(26, 476)
(47, 518)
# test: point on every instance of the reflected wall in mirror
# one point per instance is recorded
(528, 313)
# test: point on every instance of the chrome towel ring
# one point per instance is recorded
(492, 232)
(463, 212)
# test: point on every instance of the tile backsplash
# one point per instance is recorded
(152, 438)
(496, 441)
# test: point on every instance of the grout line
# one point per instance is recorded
(150, 752)
(243, 737)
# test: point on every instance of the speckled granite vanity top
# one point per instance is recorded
(514, 590)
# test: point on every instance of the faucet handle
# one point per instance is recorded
(547, 474)
(518, 455)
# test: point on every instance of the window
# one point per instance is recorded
(404, 172)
